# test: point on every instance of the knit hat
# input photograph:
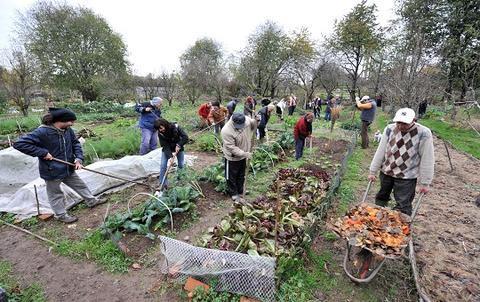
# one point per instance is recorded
(238, 120)
(156, 101)
(62, 115)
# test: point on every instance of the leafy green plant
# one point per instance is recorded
(152, 213)
(209, 142)
(348, 125)
(202, 295)
(112, 146)
(17, 125)
(216, 175)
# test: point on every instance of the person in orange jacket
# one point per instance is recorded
(203, 112)
(218, 116)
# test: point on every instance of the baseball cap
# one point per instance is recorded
(404, 115)
(238, 120)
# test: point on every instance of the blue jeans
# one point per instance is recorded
(149, 140)
(328, 115)
(299, 144)
(164, 162)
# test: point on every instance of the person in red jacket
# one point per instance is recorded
(203, 112)
(302, 130)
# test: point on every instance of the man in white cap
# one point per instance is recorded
(237, 144)
(405, 155)
(368, 107)
(149, 112)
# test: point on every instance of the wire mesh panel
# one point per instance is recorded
(252, 276)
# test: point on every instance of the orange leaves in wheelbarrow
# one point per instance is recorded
(380, 230)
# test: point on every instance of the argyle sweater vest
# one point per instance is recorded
(402, 153)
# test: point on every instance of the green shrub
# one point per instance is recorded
(15, 292)
(27, 124)
(112, 146)
(209, 142)
(356, 125)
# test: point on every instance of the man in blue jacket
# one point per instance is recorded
(149, 112)
(55, 139)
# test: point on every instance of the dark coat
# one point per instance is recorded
(171, 139)
(61, 144)
(147, 118)
(264, 117)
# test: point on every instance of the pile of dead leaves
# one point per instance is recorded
(383, 231)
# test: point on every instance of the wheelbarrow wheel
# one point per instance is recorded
(365, 274)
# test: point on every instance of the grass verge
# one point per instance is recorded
(15, 292)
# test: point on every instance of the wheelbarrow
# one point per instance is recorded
(373, 273)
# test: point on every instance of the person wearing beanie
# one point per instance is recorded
(405, 154)
(237, 147)
(368, 107)
(263, 116)
(149, 112)
(302, 130)
(56, 139)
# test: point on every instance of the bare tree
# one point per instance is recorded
(20, 77)
(169, 85)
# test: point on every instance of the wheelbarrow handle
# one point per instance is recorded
(417, 206)
(366, 191)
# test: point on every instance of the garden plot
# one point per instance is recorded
(446, 233)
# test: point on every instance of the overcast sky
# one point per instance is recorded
(158, 32)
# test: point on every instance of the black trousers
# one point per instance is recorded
(403, 192)
(235, 176)
(291, 109)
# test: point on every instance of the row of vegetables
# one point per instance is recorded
(277, 223)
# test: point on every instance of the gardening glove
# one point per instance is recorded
(148, 109)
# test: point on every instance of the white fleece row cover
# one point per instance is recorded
(24, 168)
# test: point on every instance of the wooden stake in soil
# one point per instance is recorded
(448, 154)
(247, 164)
(36, 198)
(9, 141)
(28, 232)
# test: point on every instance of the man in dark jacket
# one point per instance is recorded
(231, 107)
(149, 112)
(302, 130)
(264, 115)
(55, 139)
(172, 139)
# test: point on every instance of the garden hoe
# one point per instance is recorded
(104, 174)
(169, 165)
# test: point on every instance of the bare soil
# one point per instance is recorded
(447, 229)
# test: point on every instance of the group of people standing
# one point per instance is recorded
(404, 154)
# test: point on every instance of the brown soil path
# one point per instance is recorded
(447, 229)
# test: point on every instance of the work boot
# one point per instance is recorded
(65, 218)
(235, 197)
(96, 202)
